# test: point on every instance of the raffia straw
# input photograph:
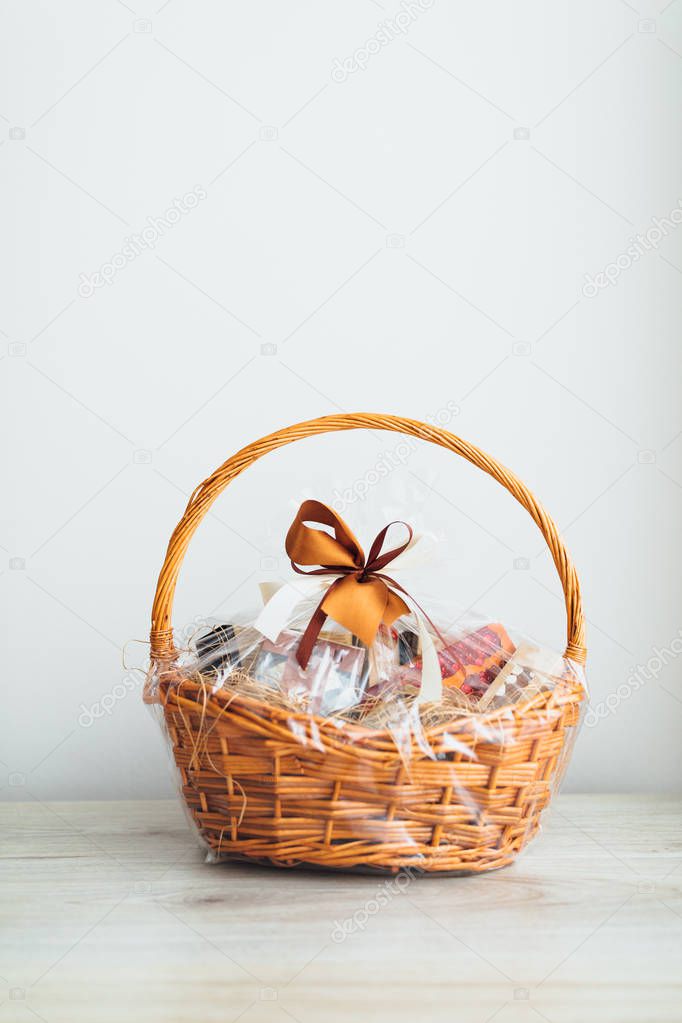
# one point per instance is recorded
(375, 711)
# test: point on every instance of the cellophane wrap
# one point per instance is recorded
(342, 764)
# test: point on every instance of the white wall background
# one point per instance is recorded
(412, 236)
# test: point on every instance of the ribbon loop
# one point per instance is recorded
(307, 546)
(377, 561)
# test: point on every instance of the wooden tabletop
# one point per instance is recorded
(109, 913)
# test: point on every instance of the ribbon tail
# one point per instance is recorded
(276, 614)
(309, 637)
(431, 688)
(323, 610)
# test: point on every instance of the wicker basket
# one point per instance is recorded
(345, 799)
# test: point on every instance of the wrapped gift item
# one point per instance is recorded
(529, 670)
(217, 649)
(474, 658)
(408, 646)
(332, 681)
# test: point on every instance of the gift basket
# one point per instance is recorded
(348, 723)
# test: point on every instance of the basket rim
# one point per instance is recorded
(351, 733)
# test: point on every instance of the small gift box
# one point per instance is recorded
(333, 679)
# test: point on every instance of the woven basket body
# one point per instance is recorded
(265, 784)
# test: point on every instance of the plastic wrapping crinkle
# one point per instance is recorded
(348, 724)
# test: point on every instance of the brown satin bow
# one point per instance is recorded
(362, 598)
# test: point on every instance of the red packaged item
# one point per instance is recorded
(480, 654)
(469, 664)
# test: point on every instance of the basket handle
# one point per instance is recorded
(161, 636)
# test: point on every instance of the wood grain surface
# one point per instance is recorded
(109, 912)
